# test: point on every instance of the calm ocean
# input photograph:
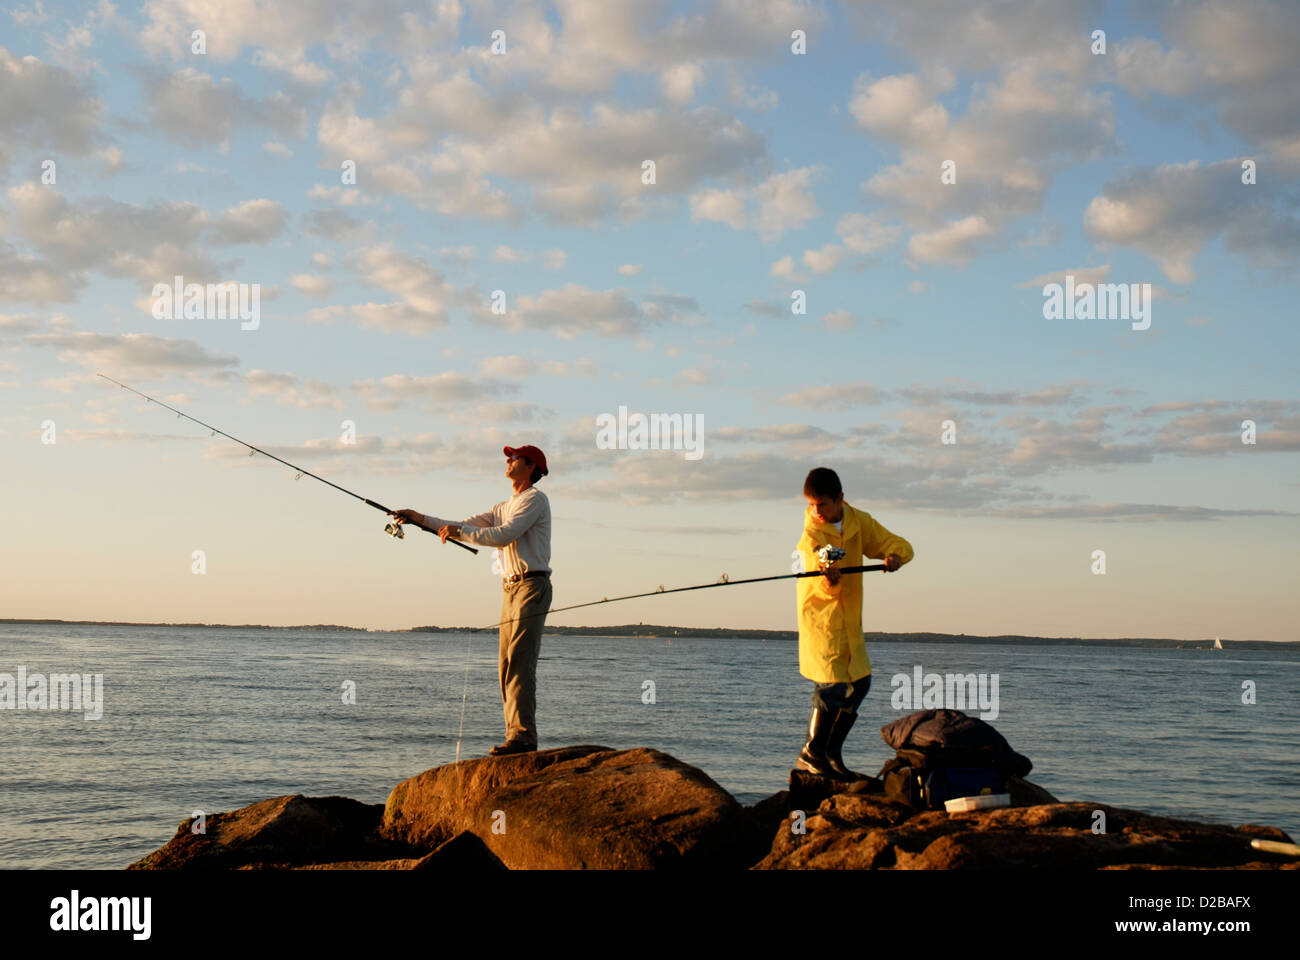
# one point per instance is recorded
(214, 718)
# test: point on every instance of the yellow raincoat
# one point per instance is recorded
(831, 647)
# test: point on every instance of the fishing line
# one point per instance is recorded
(392, 529)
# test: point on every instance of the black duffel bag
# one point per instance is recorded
(941, 754)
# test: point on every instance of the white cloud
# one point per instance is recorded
(570, 311)
(1029, 113)
(725, 206)
(305, 394)
(512, 367)
(140, 355)
(44, 107)
(785, 202)
(27, 279)
(1171, 212)
(151, 244)
(866, 234)
(461, 255)
(1081, 275)
(1237, 56)
(438, 391)
(312, 285)
(579, 167)
(835, 395)
(112, 160)
(254, 221)
(679, 81)
(191, 107)
(952, 243)
(825, 259)
(504, 254)
(783, 268)
(577, 368)
(425, 294)
(901, 109)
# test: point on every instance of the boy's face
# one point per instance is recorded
(826, 509)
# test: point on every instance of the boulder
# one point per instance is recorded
(857, 831)
(576, 808)
(847, 831)
(432, 807)
(282, 831)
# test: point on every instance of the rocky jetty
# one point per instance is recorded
(591, 807)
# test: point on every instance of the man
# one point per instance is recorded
(832, 652)
(521, 528)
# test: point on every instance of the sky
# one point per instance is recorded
(822, 230)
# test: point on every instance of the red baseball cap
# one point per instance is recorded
(532, 453)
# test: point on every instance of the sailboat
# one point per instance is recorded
(1218, 644)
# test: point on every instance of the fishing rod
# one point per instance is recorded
(828, 555)
(393, 529)
(724, 582)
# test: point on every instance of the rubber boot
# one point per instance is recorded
(840, 727)
(812, 758)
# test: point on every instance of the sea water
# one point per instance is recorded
(212, 718)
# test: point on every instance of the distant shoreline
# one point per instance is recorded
(648, 631)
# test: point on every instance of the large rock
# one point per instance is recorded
(861, 831)
(574, 808)
(844, 833)
(432, 807)
(283, 831)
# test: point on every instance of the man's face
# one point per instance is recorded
(825, 509)
(518, 467)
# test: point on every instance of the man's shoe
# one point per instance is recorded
(840, 727)
(512, 746)
(812, 758)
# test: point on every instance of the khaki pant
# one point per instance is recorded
(523, 614)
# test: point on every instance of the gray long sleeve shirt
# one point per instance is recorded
(520, 527)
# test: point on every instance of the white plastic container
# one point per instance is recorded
(988, 800)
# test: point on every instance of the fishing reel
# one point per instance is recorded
(394, 529)
(828, 555)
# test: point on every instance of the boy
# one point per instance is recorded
(832, 652)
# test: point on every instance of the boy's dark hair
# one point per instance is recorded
(537, 474)
(823, 482)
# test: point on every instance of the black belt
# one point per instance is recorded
(524, 576)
